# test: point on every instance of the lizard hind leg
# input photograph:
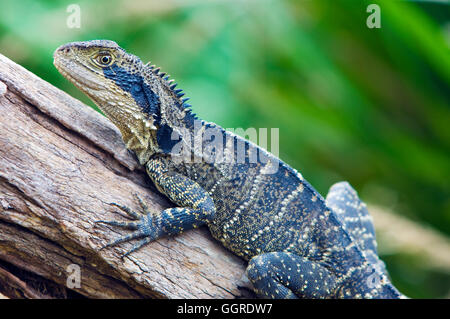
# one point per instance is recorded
(281, 275)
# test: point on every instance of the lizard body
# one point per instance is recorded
(298, 244)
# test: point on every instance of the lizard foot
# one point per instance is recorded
(143, 226)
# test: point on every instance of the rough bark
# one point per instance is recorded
(61, 164)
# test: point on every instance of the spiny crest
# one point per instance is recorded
(172, 86)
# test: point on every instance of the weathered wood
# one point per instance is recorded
(61, 164)
(16, 287)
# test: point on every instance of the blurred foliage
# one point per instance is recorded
(370, 106)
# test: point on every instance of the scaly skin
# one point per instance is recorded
(297, 243)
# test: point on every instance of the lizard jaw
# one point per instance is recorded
(75, 72)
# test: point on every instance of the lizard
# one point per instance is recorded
(297, 243)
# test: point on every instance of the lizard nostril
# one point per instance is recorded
(63, 49)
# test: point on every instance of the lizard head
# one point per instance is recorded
(139, 99)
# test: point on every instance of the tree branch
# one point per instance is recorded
(61, 164)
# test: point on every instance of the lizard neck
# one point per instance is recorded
(163, 118)
(169, 133)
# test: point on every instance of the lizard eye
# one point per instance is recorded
(104, 59)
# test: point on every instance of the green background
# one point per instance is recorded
(370, 106)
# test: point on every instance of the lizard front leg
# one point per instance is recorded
(196, 207)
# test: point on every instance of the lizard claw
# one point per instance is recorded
(141, 224)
